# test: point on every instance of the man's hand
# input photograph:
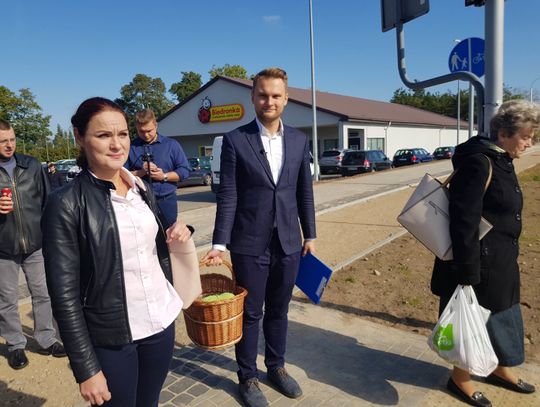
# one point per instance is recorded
(214, 257)
(178, 231)
(95, 389)
(309, 246)
(149, 166)
(6, 205)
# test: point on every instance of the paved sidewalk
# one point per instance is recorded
(338, 358)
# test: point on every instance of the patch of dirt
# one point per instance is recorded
(391, 285)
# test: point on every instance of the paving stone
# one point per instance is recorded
(183, 399)
(198, 374)
(165, 396)
(198, 389)
(182, 385)
(207, 356)
(169, 380)
(212, 380)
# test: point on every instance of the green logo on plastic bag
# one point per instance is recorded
(444, 338)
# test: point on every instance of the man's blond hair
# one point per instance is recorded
(273, 72)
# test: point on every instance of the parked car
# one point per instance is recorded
(408, 156)
(203, 162)
(67, 169)
(330, 161)
(199, 172)
(357, 162)
(215, 162)
(441, 153)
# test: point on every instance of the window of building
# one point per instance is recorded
(330, 144)
(375, 144)
(356, 139)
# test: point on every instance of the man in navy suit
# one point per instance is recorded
(265, 195)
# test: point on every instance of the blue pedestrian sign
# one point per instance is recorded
(468, 56)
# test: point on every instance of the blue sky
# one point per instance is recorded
(66, 51)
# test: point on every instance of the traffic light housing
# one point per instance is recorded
(476, 3)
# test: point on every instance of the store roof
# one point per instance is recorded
(349, 107)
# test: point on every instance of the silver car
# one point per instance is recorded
(330, 161)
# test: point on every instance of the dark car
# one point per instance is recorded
(356, 162)
(199, 172)
(330, 161)
(408, 156)
(442, 153)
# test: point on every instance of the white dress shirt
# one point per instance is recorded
(273, 148)
(152, 302)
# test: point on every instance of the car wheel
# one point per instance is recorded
(207, 180)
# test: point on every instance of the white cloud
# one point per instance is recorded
(271, 19)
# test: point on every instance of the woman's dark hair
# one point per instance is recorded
(85, 112)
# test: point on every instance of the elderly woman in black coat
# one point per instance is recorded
(490, 265)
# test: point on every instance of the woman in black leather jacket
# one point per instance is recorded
(490, 265)
(108, 268)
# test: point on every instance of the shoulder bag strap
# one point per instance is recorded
(490, 173)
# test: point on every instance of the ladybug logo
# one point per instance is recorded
(204, 111)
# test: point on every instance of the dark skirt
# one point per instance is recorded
(505, 331)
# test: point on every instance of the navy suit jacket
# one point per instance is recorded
(250, 204)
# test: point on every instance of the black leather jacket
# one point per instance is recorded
(19, 230)
(83, 262)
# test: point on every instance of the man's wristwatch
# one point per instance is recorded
(165, 177)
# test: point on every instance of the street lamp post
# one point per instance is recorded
(458, 105)
(532, 86)
(313, 97)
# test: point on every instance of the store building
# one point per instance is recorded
(342, 121)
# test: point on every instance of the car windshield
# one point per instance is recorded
(205, 162)
(65, 165)
(331, 153)
(193, 162)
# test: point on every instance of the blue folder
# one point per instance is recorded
(313, 277)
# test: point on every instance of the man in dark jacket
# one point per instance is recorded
(24, 188)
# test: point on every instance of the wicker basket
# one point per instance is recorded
(217, 324)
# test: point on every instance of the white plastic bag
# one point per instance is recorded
(460, 336)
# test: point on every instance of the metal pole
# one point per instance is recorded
(471, 110)
(531, 88)
(313, 97)
(493, 58)
(458, 112)
(471, 92)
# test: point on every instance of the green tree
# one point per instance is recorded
(232, 71)
(63, 145)
(190, 82)
(144, 92)
(26, 116)
(445, 103)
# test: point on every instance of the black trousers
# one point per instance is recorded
(269, 280)
(135, 372)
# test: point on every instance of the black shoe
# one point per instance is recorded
(519, 387)
(56, 350)
(477, 399)
(251, 393)
(17, 359)
(284, 382)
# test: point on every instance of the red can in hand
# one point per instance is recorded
(7, 192)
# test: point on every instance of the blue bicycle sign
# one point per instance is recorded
(468, 56)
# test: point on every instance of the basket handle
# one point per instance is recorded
(225, 263)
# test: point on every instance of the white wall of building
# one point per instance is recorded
(184, 126)
(428, 138)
